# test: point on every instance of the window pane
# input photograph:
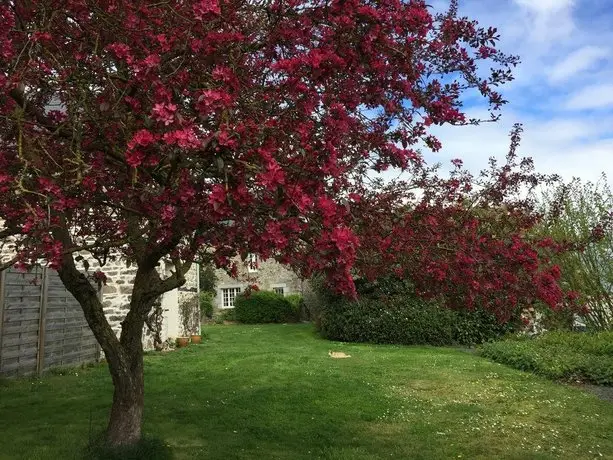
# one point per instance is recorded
(228, 296)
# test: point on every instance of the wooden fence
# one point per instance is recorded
(41, 324)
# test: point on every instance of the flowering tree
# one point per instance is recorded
(196, 130)
(468, 241)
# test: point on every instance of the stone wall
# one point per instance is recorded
(116, 299)
(267, 274)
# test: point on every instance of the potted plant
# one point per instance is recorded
(196, 338)
(182, 342)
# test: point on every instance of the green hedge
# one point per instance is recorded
(567, 356)
(206, 304)
(264, 307)
(405, 320)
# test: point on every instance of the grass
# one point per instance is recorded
(272, 392)
(570, 356)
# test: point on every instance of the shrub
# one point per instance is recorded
(388, 311)
(297, 303)
(568, 356)
(206, 304)
(407, 321)
(264, 307)
(226, 315)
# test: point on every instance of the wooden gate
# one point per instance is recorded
(41, 324)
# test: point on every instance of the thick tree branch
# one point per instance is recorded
(87, 296)
(8, 264)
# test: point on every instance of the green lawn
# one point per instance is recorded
(272, 392)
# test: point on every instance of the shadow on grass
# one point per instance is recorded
(146, 449)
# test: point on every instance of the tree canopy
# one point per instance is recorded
(201, 129)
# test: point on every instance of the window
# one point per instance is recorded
(279, 290)
(252, 263)
(228, 295)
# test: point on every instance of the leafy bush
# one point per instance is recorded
(264, 307)
(389, 311)
(206, 304)
(297, 303)
(405, 320)
(226, 315)
(315, 297)
(559, 355)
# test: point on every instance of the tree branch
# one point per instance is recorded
(87, 296)
(8, 264)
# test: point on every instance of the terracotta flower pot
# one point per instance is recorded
(196, 338)
(182, 342)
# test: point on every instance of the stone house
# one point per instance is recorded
(268, 275)
(116, 299)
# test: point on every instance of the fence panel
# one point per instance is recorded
(41, 324)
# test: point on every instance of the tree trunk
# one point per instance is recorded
(124, 354)
(128, 400)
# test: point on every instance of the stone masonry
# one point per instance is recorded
(266, 274)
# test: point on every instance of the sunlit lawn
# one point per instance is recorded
(272, 392)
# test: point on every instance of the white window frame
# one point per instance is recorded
(236, 290)
(279, 286)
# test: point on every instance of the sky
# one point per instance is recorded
(562, 92)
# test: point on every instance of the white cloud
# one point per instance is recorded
(546, 6)
(577, 62)
(568, 146)
(597, 96)
(566, 69)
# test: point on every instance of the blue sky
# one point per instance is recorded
(563, 91)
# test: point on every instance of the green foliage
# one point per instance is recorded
(208, 279)
(578, 213)
(406, 320)
(570, 356)
(389, 311)
(316, 297)
(146, 449)
(297, 303)
(228, 315)
(206, 304)
(264, 307)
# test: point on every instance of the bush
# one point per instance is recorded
(225, 315)
(264, 307)
(206, 304)
(297, 303)
(388, 311)
(407, 321)
(568, 356)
